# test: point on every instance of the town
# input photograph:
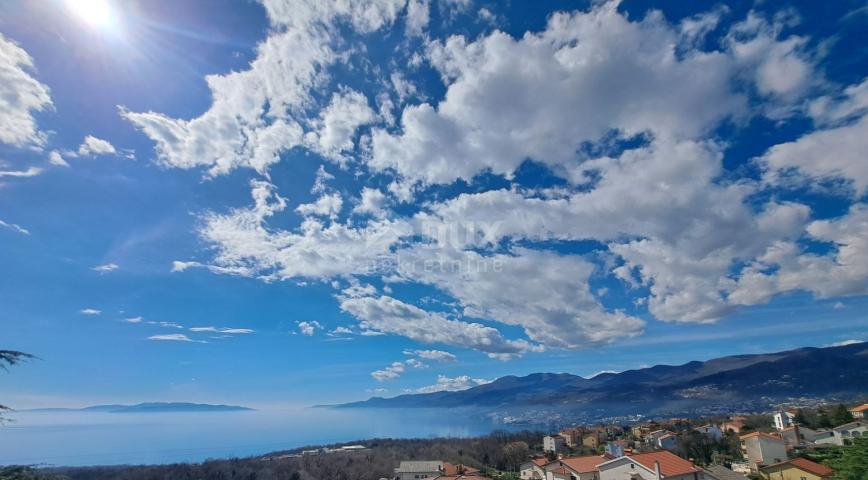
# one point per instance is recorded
(788, 444)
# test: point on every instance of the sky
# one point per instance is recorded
(296, 202)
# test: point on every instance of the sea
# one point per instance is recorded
(78, 438)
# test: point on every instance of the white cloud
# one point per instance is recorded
(89, 311)
(435, 355)
(106, 268)
(393, 371)
(133, 320)
(844, 343)
(56, 159)
(14, 227)
(179, 266)
(447, 384)
(372, 202)
(29, 172)
(341, 331)
(328, 205)
(96, 146)
(836, 153)
(175, 337)
(418, 13)
(231, 331)
(309, 328)
(22, 96)
(337, 125)
(389, 315)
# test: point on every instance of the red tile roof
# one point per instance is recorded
(806, 465)
(860, 408)
(670, 464)
(454, 470)
(584, 464)
(541, 462)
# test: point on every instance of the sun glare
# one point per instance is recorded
(96, 13)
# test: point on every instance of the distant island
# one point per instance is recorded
(150, 407)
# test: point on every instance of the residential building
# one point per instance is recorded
(576, 468)
(415, 470)
(792, 437)
(719, 472)
(859, 412)
(796, 469)
(762, 449)
(591, 440)
(554, 443)
(668, 441)
(650, 466)
(573, 436)
(784, 419)
(534, 469)
(711, 431)
(734, 423)
(615, 449)
(843, 434)
(436, 470)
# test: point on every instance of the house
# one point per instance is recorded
(668, 441)
(576, 468)
(843, 434)
(554, 443)
(719, 472)
(650, 466)
(796, 469)
(784, 419)
(792, 437)
(763, 449)
(534, 469)
(617, 448)
(859, 412)
(734, 423)
(591, 440)
(710, 431)
(436, 470)
(573, 436)
(414, 470)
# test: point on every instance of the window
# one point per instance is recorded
(803, 478)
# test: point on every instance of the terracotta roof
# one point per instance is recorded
(453, 470)
(760, 434)
(541, 462)
(860, 408)
(560, 471)
(584, 464)
(806, 465)
(670, 464)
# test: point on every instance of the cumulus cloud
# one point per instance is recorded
(106, 268)
(326, 206)
(133, 320)
(393, 371)
(23, 96)
(453, 384)
(337, 124)
(89, 311)
(96, 146)
(389, 315)
(309, 328)
(56, 159)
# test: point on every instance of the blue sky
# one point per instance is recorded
(298, 202)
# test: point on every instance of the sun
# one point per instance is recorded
(95, 13)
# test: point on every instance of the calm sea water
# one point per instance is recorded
(97, 438)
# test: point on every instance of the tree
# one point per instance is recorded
(800, 417)
(841, 415)
(9, 358)
(823, 420)
(853, 464)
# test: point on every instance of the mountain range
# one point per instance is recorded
(150, 407)
(733, 383)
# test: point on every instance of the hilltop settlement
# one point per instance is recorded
(788, 444)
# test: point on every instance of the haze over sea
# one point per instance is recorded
(77, 438)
